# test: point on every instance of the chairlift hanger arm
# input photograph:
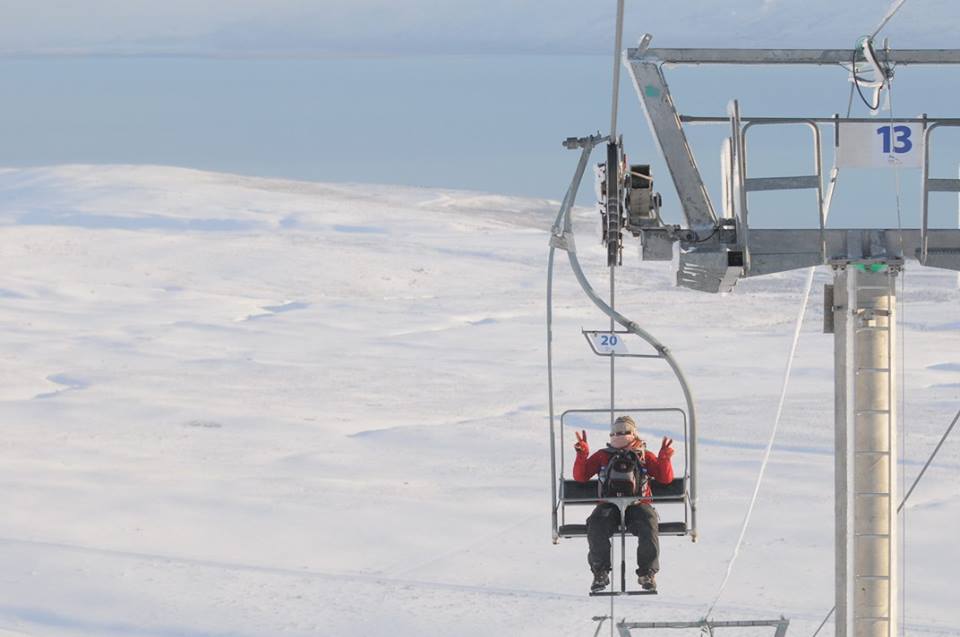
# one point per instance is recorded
(562, 238)
(809, 57)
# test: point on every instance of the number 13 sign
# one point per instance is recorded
(879, 145)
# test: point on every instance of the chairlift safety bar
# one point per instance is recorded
(688, 444)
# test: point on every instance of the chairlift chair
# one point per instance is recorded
(634, 210)
(573, 493)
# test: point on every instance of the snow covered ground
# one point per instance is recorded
(235, 406)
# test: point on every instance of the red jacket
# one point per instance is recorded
(658, 467)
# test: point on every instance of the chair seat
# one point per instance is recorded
(586, 492)
(580, 530)
(673, 528)
(573, 530)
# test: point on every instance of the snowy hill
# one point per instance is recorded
(237, 406)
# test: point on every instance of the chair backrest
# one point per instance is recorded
(574, 493)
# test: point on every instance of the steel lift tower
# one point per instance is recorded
(716, 250)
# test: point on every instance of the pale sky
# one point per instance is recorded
(419, 26)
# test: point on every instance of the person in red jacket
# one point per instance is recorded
(642, 519)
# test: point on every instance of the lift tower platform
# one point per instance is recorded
(716, 251)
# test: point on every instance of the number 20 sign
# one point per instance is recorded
(607, 343)
(880, 145)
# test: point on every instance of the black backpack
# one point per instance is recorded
(625, 474)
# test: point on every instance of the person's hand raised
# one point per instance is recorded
(666, 447)
(583, 449)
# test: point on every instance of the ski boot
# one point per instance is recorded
(647, 581)
(601, 579)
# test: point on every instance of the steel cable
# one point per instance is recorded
(913, 486)
(892, 11)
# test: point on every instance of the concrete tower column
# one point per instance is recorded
(867, 454)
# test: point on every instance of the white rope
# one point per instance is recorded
(808, 285)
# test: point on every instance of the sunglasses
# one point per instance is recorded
(620, 433)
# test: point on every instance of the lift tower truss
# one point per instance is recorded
(717, 250)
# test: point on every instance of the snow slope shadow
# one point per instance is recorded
(272, 310)
(60, 621)
(68, 383)
(118, 222)
(359, 229)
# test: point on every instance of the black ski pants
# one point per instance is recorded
(642, 521)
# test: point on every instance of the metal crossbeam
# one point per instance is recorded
(624, 627)
(801, 182)
(782, 250)
(943, 185)
(810, 57)
(719, 119)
